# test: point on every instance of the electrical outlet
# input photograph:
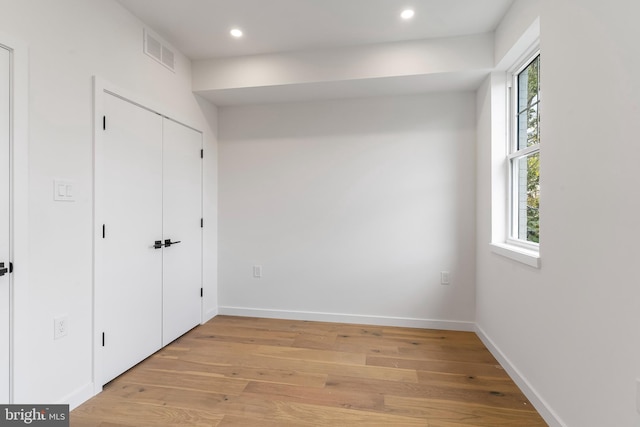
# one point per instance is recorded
(444, 278)
(257, 271)
(60, 327)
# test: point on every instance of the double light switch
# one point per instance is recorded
(63, 191)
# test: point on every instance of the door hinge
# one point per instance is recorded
(202, 154)
(104, 122)
(103, 339)
(201, 222)
(201, 292)
(104, 231)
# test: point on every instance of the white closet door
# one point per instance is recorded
(131, 283)
(182, 211)
(5, 135)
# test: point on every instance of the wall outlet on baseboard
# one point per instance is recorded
(257, 271)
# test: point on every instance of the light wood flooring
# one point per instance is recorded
(236, 371)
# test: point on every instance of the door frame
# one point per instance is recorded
(18, 214)
(100, 88)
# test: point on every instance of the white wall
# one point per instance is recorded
(515, 22)
(384, 69)
(571, 328)
(409, 58)
(69, 41)
(351, 207)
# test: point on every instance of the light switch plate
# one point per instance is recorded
(257, 271)
(63, 191)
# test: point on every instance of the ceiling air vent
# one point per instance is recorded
(155, 49)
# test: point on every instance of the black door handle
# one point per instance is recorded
(168, 242)
(3, 269)
(158, 244)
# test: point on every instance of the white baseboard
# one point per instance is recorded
(210, 315)
(536, 400)
(78, 397)
(450, 325)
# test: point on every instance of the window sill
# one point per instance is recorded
(525, 256)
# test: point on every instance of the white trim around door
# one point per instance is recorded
(19, 218)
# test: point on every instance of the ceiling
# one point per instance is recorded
(200, 28)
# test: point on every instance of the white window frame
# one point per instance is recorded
(513, 153)
(503, 133)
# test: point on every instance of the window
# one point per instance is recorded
(524, 155)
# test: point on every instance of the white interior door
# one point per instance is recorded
(5, 137)
(131, 280)
(182, 212)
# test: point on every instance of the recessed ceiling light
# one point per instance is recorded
(236, 32)
(407, 14)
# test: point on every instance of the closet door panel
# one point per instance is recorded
(131, 282)
(182, 212)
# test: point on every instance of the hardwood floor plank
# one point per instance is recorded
(367, 345)
(362, 399)
(277, 376)
(326, 356)
(236, 371)
(464, 368)
(318, 341)
(242, 421)
(477, 355)
(136, 414)
(170, 397)
(247, 335)
(468, 382)
(259, 322)
(195, 381)
(511, 400)
(293, 413)
(444, 423)
(463, 413)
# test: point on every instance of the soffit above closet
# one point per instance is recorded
(200, 28)
(309, 50)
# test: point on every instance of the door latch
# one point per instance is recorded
(158, 244)
(168, 242)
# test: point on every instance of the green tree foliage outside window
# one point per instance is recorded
(528, 136)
